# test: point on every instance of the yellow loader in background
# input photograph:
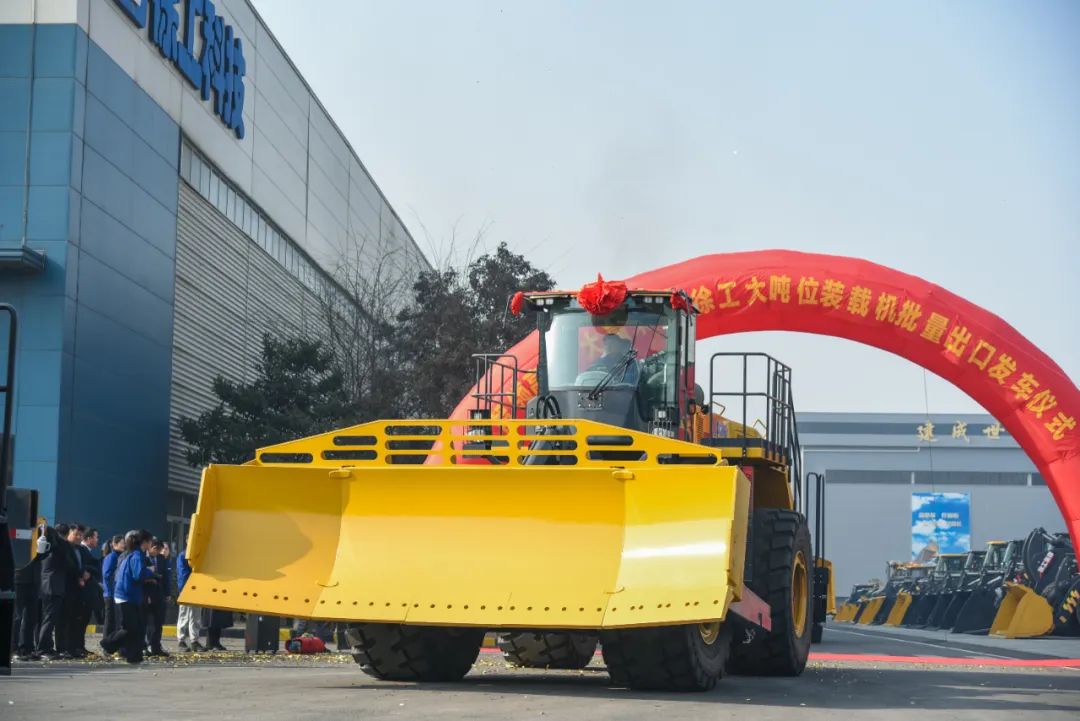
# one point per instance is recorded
(614, 507)
(1042, 590)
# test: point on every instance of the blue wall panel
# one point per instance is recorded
(92, 400)
(15, 44)
(47, 202)
(115, 433)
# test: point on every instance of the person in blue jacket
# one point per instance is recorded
(131, 573)
(108, 581)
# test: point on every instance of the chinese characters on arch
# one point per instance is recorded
(205, 50)
(965, 347)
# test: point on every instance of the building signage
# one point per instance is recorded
(216, 69)
(940, 523)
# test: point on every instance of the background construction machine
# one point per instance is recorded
(1041, 595)
(1015, 589)
(928, 591)
(614, 507)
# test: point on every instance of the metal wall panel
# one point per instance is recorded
(287, 133)
(229, 292)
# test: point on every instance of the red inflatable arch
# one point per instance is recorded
(862, 301)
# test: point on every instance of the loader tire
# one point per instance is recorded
(817, 632)
(667, 658)
(395, 652)
(780, 545)
(548, 649)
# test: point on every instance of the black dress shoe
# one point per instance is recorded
(183, 646)
(218, 647)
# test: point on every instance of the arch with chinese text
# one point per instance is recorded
(1022, 387)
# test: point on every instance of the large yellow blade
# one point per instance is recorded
(1023, 613)
(583, 546)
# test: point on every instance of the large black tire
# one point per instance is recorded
(780, 537)
(395, 652)
(534, 649)
(666, 658)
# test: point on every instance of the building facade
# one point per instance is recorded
(170, 190)
(874, 462)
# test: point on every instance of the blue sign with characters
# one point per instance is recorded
(218, 70)
(940, 523)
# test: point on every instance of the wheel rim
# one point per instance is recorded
(709, 632)
(798, 593)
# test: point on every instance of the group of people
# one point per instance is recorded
(127, 585)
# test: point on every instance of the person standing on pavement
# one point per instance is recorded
(155, 599)
(89, 591)
(73, 591)
(189, 624)
(132, 573)
(28, 607)
(55, 568)
(219, 621)
(108, 582)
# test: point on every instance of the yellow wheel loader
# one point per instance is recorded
(927, 592)
(614, 507)
(914, 576)
(991, 562)
(849, 609)
(1042, 596)
(978, 612)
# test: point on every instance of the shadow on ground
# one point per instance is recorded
(818, 688)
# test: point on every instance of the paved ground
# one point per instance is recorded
(233, 686)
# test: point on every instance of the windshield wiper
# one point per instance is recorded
(620, 365)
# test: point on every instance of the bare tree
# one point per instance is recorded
(371, 282)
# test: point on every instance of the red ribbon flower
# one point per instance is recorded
(516, 302)
(602, 297)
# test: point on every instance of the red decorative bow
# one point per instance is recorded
(602, 297)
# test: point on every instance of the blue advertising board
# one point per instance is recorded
(940, 523)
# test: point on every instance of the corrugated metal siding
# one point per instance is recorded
(229, 292)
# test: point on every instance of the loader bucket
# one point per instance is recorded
(900, 607)
(594, 543)
(977, 614)
(937, 615)
(870, 611)
(1023, 613)
(952, 611)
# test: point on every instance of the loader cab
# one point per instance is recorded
(632, 368)
(994, 558)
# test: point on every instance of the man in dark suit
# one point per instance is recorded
(156, 593)
(77, 579)
(89, 598)
(55, 569)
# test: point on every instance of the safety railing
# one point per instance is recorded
(482, 443)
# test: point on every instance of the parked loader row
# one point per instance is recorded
(1014, 589)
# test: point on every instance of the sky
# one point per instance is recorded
(941, 139)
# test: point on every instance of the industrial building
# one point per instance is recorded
(874, 462)
(170, 189)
